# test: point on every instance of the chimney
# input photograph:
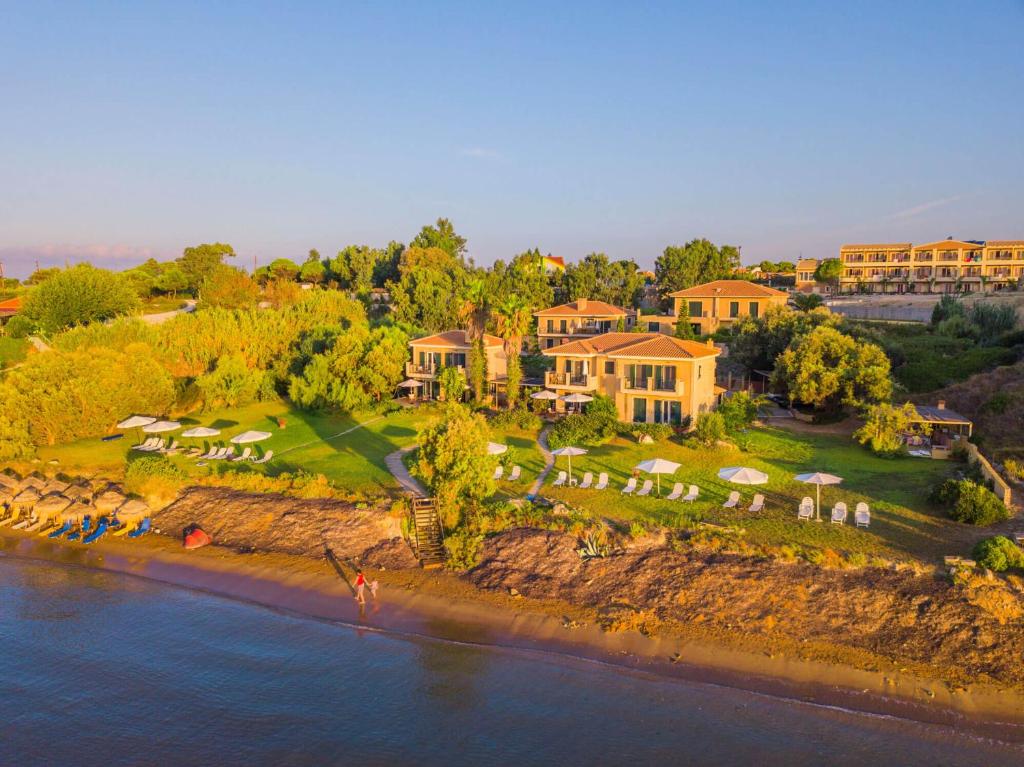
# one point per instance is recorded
(581, 304)
(711, 343)
(942, 404)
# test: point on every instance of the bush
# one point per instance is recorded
(738, 411)
(463, 547)
(998, 554)
(969, 502)
(659, 432)
(597, 424)
(153, 476)
(709, 429)
(948, 306)
(1014, 469)
(516, 418)
(19, 326)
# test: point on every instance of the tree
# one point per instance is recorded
(312, 270)
(709, 428)
(806, 301)
(383, 362)
(201, 261)
(738, 411)
(684, 329)
(696, 262)
(885, 426)
(512, 321)
(600, 279)
(477, 369)
(475, 309)
(430, 291)
(453, 460)
(172, 280)
(226, 287)
(758, 341)
(452, 383)
(828, 369)
(77, 296)
(333, 379)
(282, 269)
(442, 235)
(232, 383)
(354, 267)
(525, 277)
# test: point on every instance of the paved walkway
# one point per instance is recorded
(39, 344)
(156, 319)
(549, 462)
(401, 474)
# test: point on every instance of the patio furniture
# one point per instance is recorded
(677, 492)
(862, 515)
(515, 473)
(757, 504)
(839, 513)
(602, 481)
(499, 470)
(244, 456)
(692, 494)
(630, 486)
(806, 510)
(560, 480)
(646, 488)
(732, 501)
(265, 459)
(588, 480)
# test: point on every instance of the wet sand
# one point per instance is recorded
(440, 605)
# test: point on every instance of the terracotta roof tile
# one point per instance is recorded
(650, 345)
(1004, 243)
(728, 289)
(455, 339)
(592, 309)
(878, 246)
(948, 245)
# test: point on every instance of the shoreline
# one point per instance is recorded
(440, 606)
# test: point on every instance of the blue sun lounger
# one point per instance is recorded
(142, 529)
(86, 526)
(66, 528)
(100, 529)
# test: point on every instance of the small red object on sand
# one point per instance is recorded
(197, 539)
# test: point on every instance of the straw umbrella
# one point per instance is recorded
(109, 501)
(569, 451)
(133, 511)
(657, 467)
(818, 479)
(51, 507)
(6, 480)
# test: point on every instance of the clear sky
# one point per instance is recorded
(136, 128)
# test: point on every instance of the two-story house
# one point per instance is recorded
(653, 378)
(579, 319)
(723, 302)
(451, 349)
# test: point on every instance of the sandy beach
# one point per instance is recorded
(443, 606)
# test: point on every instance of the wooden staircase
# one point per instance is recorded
(428, 533)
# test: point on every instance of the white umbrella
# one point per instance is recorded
(136, 421)
(741, 475)
(250, 436)
(577, 398)
(496, 448)
(544, 394)
(818, 479)
(657, 467)
(410, 384)
(569, 451)
(159, 427)
(200, 431)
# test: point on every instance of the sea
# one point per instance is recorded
(98, 668)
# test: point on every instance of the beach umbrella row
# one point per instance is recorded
(154, 426)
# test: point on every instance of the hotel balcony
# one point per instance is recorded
(577, 330)
(412, 370)
(651, 386)
(553, 380)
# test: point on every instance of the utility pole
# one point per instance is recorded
(1, 271)
(254, 264)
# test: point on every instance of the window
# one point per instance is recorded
(551, 326)
(609, 368)
(561, 326)
(568, 366)
(734, 308)
(700, 369)
(653, 327)
(668, 412)
(696, 309)
(639, 410)
(754, 308)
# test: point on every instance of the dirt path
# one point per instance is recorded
(549, 462)
(401, 474)
(160, 317)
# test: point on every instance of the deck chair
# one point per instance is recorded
(630, 486)
(244, 456)
(862, 515)
(157, 447)
(806, 510)
(677, 492)
(208, 454)
(560, 479)
(839, 513)
(265, 459)
(646, 488)
(145, 445)
(142, 529)
(732, 501)
(515, 473)
(499, 470)
(588, 480)
(173, 448)
(602, 481)
(757, 504)
(230, 454)
(691, 496)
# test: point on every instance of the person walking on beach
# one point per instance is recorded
(360, 587)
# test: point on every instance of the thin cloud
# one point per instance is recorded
(21, 259)
(480, 153)
(924, 207)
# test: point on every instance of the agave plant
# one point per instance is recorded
(590, 548)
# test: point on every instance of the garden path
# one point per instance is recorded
(549, 462)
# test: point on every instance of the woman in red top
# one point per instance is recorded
(360, 585)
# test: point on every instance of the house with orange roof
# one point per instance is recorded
(9, 308)
(579, 319)
(653, 378)
(451, 349)
(553, 264)
(720, 303)
(805, 282)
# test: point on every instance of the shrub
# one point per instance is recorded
(1014, 469)
(998, 553)
(948, 306)
(463, 547)
(709, 429)
(969, 502)
(992, 320)
(516, 418)
(884, 427)
(739, 411)
(597, 424)
(153, 476)
(659, 432)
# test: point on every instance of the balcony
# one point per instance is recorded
(924, 257)
(652, 386)
(412, 370)
(949, 257)
(569, 381)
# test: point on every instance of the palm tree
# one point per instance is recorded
(512, 320)
(474, 309)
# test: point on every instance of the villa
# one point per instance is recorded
(805, 281)
(579, 319)
(451, 349)
(946, 266)
(723, 302)
(9, 308)
(653, 378)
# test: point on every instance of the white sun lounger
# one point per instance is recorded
(588, 480)
(862, 515)
(155, 447)
(646, 488)
(220, 455)
(839, 513)
(515, 473)
(630, 486)
(147, 444)
(602, 481)
(560, 479)
(265, 459)
(499, 470)
(806, 510)
(691, 496)
(677, 492)
(732, 501)
(244, 456)
(757, 504)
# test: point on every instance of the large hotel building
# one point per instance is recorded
(946, 266)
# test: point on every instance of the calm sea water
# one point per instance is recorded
(98, 668)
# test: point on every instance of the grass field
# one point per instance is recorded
(12, 351)
(902, 522)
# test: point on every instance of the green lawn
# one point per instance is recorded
(161, 304)
(12, 351)
(353, 461)
(896, 489)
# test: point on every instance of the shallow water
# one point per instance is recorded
(100, 668)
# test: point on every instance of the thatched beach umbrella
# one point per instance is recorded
(109, 501)
(25, 500)
(133, 510)
(79, 492)
(50, 507)
(6, 480)
(54, 486)
(75, 513)
(32, 481)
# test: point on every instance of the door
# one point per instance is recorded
(639, 410)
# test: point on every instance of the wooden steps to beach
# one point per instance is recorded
(429, 536)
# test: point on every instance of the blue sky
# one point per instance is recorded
(130, 129)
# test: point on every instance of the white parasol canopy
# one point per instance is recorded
(410, 384)
(136, 421)
(741, 475)
(496, 448)
(818, 479)
(577, 399)
(159, 427)
(201, 431)
(657, 467)
(544, 394)
(250, 436)
(569, 451)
